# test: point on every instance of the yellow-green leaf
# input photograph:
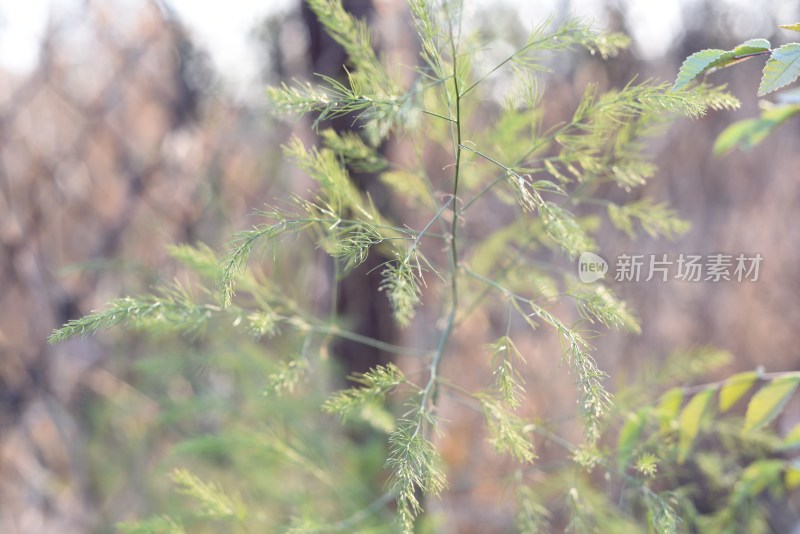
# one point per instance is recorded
(781, 69)
(792, 439)
(734, 388)
(752, 46)
(629, 437)
(768, 402)
(669, 406)
(793, 27)
(758, 476)
(792, 477)
(689, 424)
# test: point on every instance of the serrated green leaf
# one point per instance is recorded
(781, 69)
(793, 27)
(753, 46)
(629, 437)
(734, 388)
(689, 424)
(696, 64)
(768, 402)
(792, 476)
(669, 406)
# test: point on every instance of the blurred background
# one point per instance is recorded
(130, 125)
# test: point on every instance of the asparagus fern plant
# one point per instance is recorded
(546, 177)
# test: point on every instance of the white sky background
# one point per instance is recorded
(222, 27)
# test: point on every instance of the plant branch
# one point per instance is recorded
(429, 391)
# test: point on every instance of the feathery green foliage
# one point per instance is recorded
(507, 433)
(414, 464)
(374, 386)
(173, 309)
(212, 501)
(546, 182)
(507, 380)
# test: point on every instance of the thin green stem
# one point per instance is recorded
(522, 50)
(429, 392)
(432, 114)
(377, 505)
(335, 331)
(424, 231)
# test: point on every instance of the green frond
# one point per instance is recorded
(353, 151)
(716, 97)
(351, 245)
(507, 380)
(572, 32)
(598, 303)
(590, 510)
(354, 36)
(607, 44)
(562, 227)
(507, 432)
(234, 262)
(587, 456)
(661, 513)
(532, 516)
(401, 279)
(527, 196)
(200, 258)
(374, 385)
(336, 187)
(414, 463)
(431, 39)
(594, 401)
(604, 142)
(212, 501)
(286, 377)
(263, 323)
(329, 102)
(379, 115)
(656, 219)
(171, 311)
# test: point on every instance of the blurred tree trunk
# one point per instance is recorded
(362, 307)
